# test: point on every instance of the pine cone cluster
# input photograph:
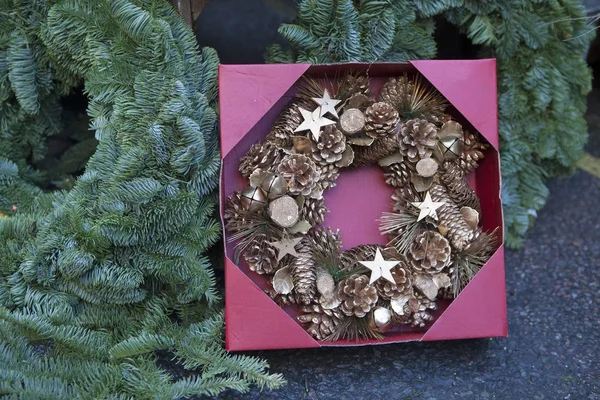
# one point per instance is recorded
(328, 174)
(288, 120)
(322, 322)
(472, 153)
(398, 92)
(422, 316)
(352, 84)
(403, 278)
(429, 253)
(330, 146)
(418, 138)
(449, 215)
(313, 211)
(459, 189)
(301, 173)
(416, 311)
(381, 120)
(349, 260)
(233, 214)
(263, 156)
(357, 295)
(383, 147)
(397, 174)
(261, 256)
(304, 273)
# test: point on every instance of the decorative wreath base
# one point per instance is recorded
(436, 245)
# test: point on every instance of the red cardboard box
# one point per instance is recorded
(252, 96)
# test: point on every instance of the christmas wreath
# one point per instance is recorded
(435, 243)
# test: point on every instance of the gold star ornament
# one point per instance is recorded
(327, 104)
(313, 122)
(285, 247)
(380, 268)
(427, 207)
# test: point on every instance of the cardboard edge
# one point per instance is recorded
(281, 78)
(295, 335)
(454, 94)
(442, 328)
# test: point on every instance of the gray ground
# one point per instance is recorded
(553, 348)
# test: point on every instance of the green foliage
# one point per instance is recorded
(93, 281)
(542, 76)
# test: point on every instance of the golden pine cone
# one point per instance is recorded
(403, 197)
(422, 316)
(398, 92)
(382, 147)
(328, 174)
(397, 174)
(449, 215)
(459, 189)
(261, 256)
(282, 299)
(234, 213)
(403, 278)
(429, 253)
(263, 156)
(418, 138)
(416, 311)
(301, 173)
(472, 153)
(313, 211)
(325, 242)
(288, 120)
(330, 146)
(357, 295)
(349, 260)
(304, 273)
(381, 120)
(321, 322)
(352, 84)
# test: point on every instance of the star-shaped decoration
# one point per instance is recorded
(380, 268)
(427, 207)
(327, 104)
(285, 247)
(313, 122)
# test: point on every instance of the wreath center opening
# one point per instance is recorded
(359, 198)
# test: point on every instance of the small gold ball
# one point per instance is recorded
(253, 198)
(381, 319)
(274, 185)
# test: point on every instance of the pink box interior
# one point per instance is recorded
(361, 195)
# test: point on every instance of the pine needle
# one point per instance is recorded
(404, 226)
(253, 224)
(354, 329)
(470, 261)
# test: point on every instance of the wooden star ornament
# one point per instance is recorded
(313, 122)
(427, 207)
(380, 268)
(285, 247)
(327, 104)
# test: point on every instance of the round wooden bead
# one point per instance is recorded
(284, 211)
(352, 121)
